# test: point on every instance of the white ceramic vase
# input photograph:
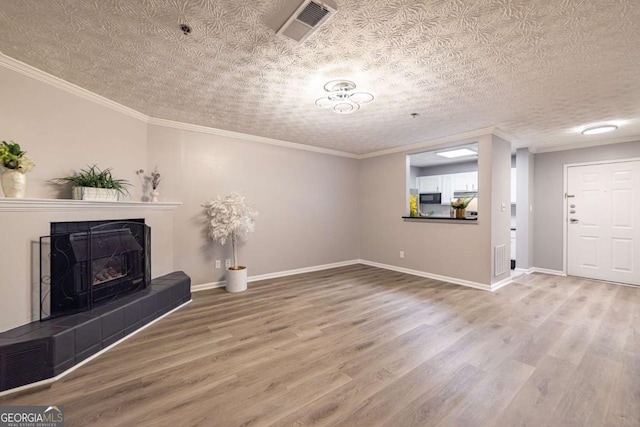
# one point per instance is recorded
(14, 183)
(237, 279)
(154, 195)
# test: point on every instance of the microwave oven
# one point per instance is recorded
(430, 198)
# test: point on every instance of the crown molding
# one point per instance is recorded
(582, 144)
(44, 77)
(429, 143)
(247, 137)
(500, 134)
(51, 80)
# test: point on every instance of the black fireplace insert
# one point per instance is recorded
(88, 263)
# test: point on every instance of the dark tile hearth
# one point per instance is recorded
(41, 350)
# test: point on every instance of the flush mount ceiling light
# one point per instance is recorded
(460, 152)
(342, 97)
(594, 130)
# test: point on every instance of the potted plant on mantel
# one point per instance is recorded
(231, 218)
(15, 164)
(94, 183)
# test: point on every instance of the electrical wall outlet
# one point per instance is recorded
(227, 263)
(218, 264)
(401, 254)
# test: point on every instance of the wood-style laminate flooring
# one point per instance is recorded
(361, 346)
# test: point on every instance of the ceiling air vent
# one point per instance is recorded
(306, 20)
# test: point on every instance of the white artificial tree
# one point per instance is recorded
(230, 218)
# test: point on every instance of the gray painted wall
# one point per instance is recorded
(307, 202)
(500, 202)
(548, 189)
(63, 133)
(524, 208)
(449, 249)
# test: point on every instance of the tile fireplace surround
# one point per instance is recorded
(44, 350)
(41, 350)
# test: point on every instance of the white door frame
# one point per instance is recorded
(565, 188)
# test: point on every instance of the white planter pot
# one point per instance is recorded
(237, 279)
(90, 193)
(14, 183)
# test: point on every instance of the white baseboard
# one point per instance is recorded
(546, 271)
(502, 283)
(222, 283)
(89, 359)
(454, 280)
(448, 279)
(205, 286)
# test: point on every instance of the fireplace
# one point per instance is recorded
(88, 263)
(95, 291)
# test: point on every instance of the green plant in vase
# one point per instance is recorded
(94, 177)
(14, 164)
(12, 157)
(460, 205)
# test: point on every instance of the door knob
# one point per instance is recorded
(573, 221)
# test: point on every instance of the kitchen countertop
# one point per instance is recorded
(440, 218)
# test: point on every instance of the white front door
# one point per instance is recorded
(603, 237)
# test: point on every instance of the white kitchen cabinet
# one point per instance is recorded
(472, 180)
(513, 185)
(447, 182)
(466, 181)
(429, 184)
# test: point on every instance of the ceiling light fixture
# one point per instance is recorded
(460, 152)
(342, 97)
(594, 130)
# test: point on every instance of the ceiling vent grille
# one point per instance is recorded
(306, 20)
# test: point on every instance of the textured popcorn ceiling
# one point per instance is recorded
(534, 69)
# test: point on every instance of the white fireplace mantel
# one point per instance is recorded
(37, 205)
